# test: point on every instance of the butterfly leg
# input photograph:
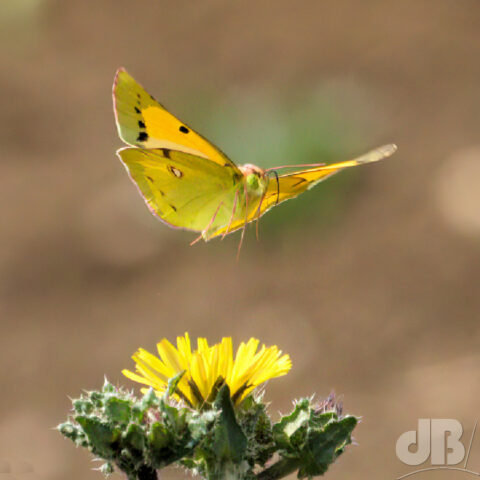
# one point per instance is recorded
(258, 215)
(233, 215)
(205, 230)
(246, 220)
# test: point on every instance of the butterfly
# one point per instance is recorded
(187, 182)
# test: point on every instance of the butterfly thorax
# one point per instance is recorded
(256, 180)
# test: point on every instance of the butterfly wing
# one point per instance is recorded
(143, 122)
(293, 184)
(183, 190)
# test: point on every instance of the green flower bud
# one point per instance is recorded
(68, 430)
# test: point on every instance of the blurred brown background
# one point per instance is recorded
(370, 281)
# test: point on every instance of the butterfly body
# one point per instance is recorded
(189, 183)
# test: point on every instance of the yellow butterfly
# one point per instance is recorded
(189, 183)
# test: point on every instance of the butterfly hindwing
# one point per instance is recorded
(182, 189)
(144, 122)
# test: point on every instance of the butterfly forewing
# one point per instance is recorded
(144, 122)
(293, 184)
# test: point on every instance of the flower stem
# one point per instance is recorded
(147, 473)
(279, 470)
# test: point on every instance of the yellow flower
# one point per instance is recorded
(208, 367)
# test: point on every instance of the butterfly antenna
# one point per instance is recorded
(296, 166)
(205, 230)
(227, 231)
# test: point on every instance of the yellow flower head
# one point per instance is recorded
(207, 367)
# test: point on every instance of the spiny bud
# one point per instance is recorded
(106, 469)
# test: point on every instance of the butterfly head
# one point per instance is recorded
(256, 180)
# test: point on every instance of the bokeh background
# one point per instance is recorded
(370, 281)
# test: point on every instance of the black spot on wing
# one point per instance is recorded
(149, 178)
(184, 129)
(166, 152)
(137, 110)
(173, 207)
(142, 137)
(141, 124)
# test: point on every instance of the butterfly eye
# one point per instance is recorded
(184, 129)
(252, 181)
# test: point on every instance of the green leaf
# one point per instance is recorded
(172, 384)
(257, 426)
(229, 442)
(324, 446)
(149, 399)
(159, 436)
(173, 417)
(163, 448)
(118, 410)
(134, 437)
(309, 441)
(292, 425)
(101, 435)
(137, 412)
(96, 398)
